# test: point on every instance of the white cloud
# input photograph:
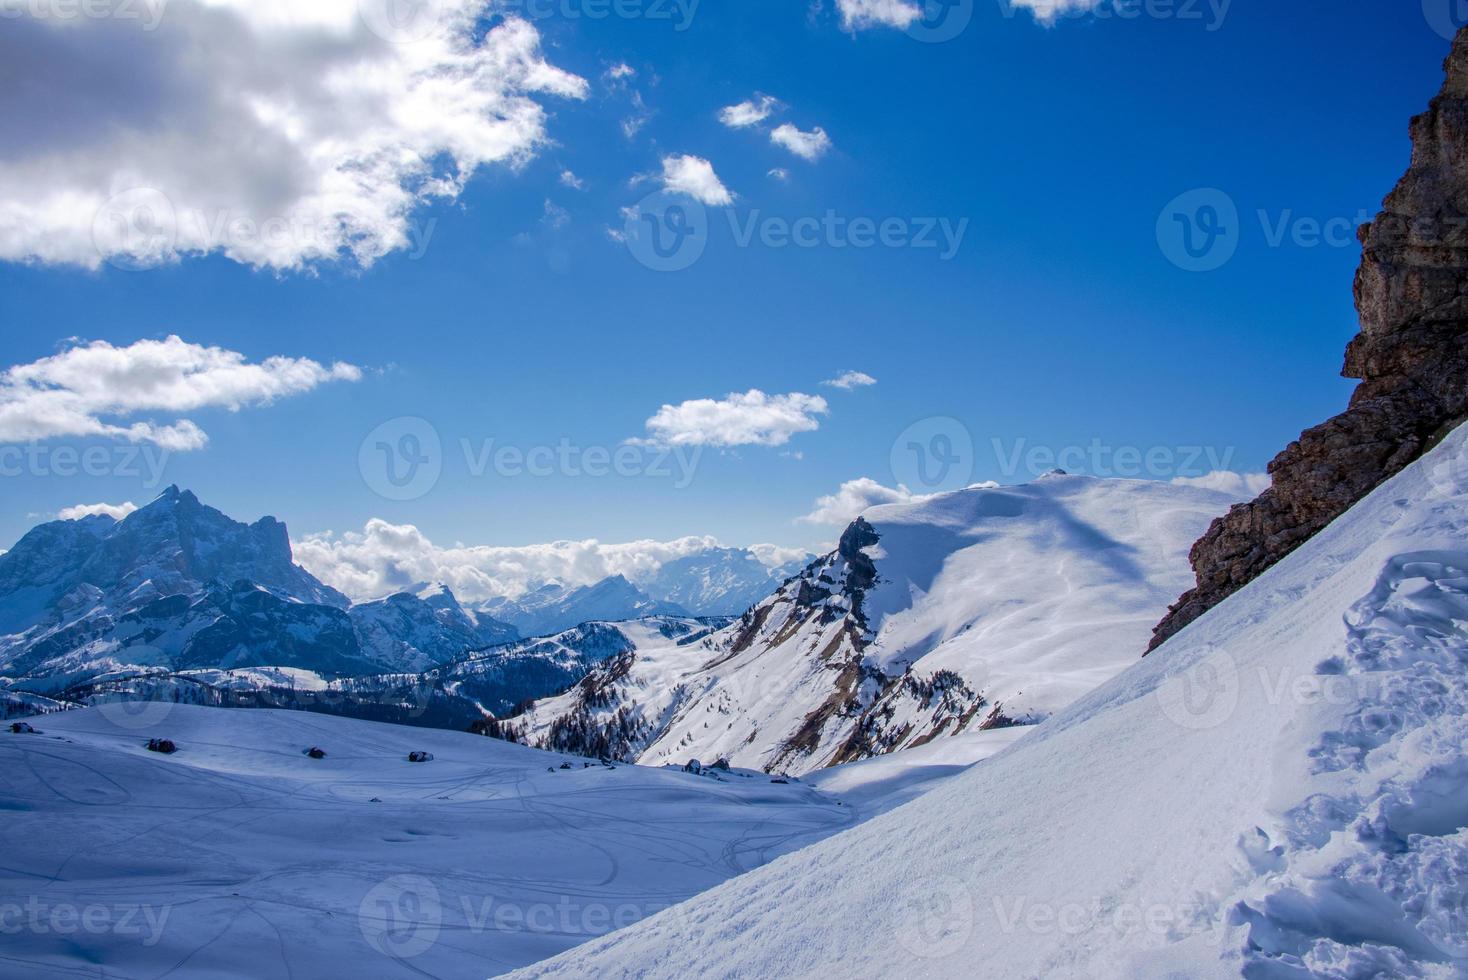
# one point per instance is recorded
(383, 558)
(1046, 11)
(1240, 486)
(779, 173)
(279, 134)
(569, 179)
(621, 71)
(90, 389)
(810, 146)
(749, 113)
(695, 177)
(848, 380)
(773, 555)
(115, 511)
(854, 499)
(749, 419)
(555, 216)
(859, 15)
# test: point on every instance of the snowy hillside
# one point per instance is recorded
(970, 611)
(239, 854)
(1277, 792)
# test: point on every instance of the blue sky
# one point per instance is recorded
(1060, 320)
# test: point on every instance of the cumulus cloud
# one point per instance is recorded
(752, 418)
(1240, 486)
(384, 558)
(855, 498)
(809, 146)
(695, 177)
(92, 389)
(115, 511)
(1046, 11)
(749, 113)
(779, 173)
(620, 72)
(857, 15)
(848, 380)
(280, 134)
(861, 15)
(569, 179)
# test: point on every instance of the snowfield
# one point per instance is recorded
(1279, 791)
(239, 855)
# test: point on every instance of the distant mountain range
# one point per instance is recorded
(179, 588)
(716, 582)
(965, 612)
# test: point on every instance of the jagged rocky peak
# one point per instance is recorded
(1411, 357)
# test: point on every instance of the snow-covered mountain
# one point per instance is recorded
(413, 631)
(969, 611)
(719, 581)
(178, 585)
(553, 608)
(1277, 792)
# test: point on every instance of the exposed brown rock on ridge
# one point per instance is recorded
(1411, 357)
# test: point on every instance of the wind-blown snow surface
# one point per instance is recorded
(241, 856)
(1279, 791)
(969, 610)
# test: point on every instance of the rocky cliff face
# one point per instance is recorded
(1411, 357)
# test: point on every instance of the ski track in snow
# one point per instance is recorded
(265, 861)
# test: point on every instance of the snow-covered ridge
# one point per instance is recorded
(1276, 792)
(969, 611)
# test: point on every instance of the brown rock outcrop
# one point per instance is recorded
(1411, 357)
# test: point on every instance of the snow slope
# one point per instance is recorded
(240, 856)
(1279, 791)
(968, 611)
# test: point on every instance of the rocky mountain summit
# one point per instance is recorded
(1411, 357)
(178, 585)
